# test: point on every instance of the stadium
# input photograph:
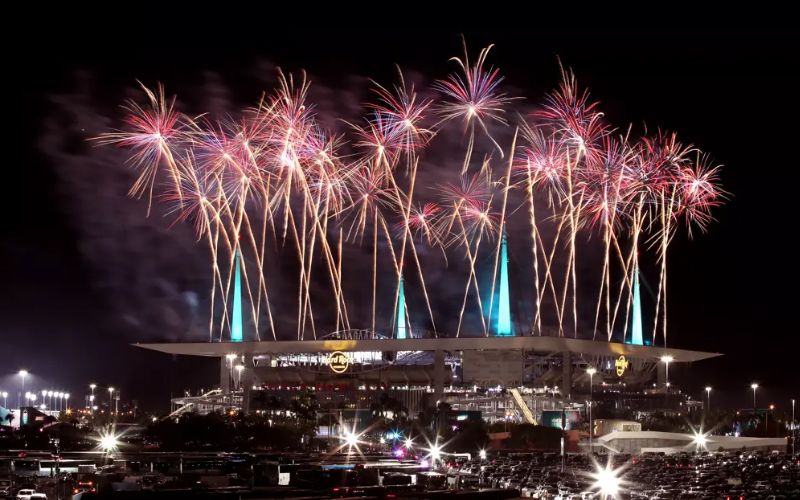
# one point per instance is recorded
(470, 373)
(504, 375)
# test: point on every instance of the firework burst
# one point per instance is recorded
(275, 177)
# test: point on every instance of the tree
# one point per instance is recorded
(469, 437)
(304, 408)
(529, 436)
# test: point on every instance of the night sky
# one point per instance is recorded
(732, 290)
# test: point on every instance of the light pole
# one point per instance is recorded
(708, 393)
(591, 372)
(5, 400)
(667, 360)
(754, 386)
(66, 401)
(794, 430)
(23, 374)
(110, 398)
(766, 420)
(50, 395)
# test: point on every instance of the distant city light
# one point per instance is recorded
(482, 454)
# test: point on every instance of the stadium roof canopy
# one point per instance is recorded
(532, 343)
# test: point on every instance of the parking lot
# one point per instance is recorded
(732, 476)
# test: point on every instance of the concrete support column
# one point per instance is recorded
(438, 375)
(566, 370)
(247, 382)
(224, 377)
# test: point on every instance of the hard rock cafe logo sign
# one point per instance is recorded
(339, 362)
(621, 365)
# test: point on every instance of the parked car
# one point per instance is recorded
(25, 494)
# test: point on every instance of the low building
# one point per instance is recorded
(638, 442)
(607, 425)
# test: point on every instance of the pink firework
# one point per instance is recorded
(155, 130)
(575, 119)
(474, 190)
(604, 188)
(422, 221)
(542, 161)
(381, 139)
(402, 112)
(474, 96)
(700, 192)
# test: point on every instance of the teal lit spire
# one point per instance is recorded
(403, 332)
(504, 305)
(236, 321)
(636, 316)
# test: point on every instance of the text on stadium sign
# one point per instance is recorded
(621, 364)
(338, 362)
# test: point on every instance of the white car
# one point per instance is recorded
(762, 485)
(25, 494)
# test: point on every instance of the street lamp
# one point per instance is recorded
(766, 420)
(794, 430)
(667, 360)
(591, 371)
(23, 374)
(5, 399)
(66, 401)
(708, 393)
(110, 398)
(91, 397)
(754, 386)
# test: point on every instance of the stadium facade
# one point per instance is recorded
(505, 374)
(522, 375)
